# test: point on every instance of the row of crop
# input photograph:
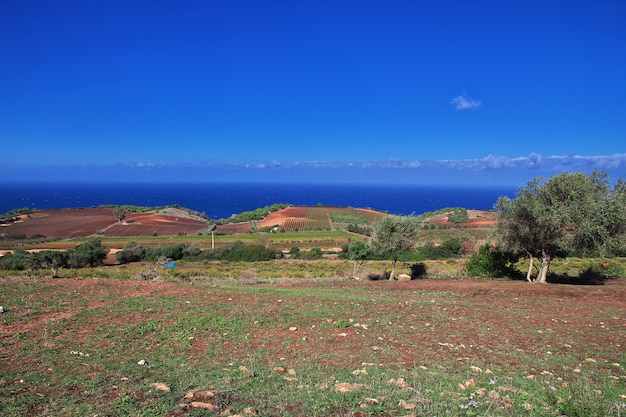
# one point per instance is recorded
(346, 217)
(292, 225)
(368, 216)
(318, 214)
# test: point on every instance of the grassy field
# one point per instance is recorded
(310, 347)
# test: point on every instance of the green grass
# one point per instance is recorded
(231, 339)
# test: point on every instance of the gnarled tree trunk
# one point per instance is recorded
(393, 269)
(529, 274)
(545, 264)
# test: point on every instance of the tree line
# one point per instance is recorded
(570, 214)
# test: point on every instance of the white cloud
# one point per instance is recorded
(464, 103)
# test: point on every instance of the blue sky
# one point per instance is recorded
(481, 92)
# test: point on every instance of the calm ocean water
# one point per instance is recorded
(222, 200)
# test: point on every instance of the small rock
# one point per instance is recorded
(347, 387)
(142, 362)
(159, 386)
(1, 309)
(293, 329)
(493, 395)
(470, 384)
(198, 404)
(280, 369)
(404, 278)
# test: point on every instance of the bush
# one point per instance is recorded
(490, 262)
(294, 252)
(238, 251)
(131, 253)
(449, 248)
(14, 262)
(459, 215)
(90, 253)
(418, 270)
(314, 253)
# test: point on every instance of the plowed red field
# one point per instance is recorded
(70, 223)
(476, 218)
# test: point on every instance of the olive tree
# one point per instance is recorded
(52, 260)
(394, 234)
(570, 213)
(90, 253)
(358, 251)
(119, 213)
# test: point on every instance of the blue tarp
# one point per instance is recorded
(171, 264)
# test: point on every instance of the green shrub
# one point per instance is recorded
(238, 251)
(134, 253)
(490, 262)
(418, 270)
(459, 215)
(90, 253)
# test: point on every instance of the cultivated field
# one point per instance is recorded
(314, 347)
(72, 223)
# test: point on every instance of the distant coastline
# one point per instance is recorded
(221, 200)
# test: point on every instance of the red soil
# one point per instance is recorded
(279, 217)
(70, 223)
(476, 218)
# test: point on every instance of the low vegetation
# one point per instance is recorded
(180, 347)
(300, 323)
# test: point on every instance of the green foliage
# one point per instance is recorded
(90, 253)
(131, 253)
(119, 213)
(362, 229)
(570, 213)
(449, 248)
(430, 214)
(490, 262)
(257, 214)
(603, 269)
(352, 217)
(15, 261)
(458, 215)
(418, 270)
(52, 260)
(131, 208)
(238, 251)
(173, 252)
(394, 234)
(314, 253)
(13, 215)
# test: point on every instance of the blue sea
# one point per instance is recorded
(223, 200)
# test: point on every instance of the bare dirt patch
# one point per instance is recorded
(72, 223)
(476, 218)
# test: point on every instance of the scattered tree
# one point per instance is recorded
(358, 251)
(52, 260)
(119, 213)
(394, 234)
(90, 253)
(570, 213)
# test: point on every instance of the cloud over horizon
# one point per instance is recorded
(490, 169)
